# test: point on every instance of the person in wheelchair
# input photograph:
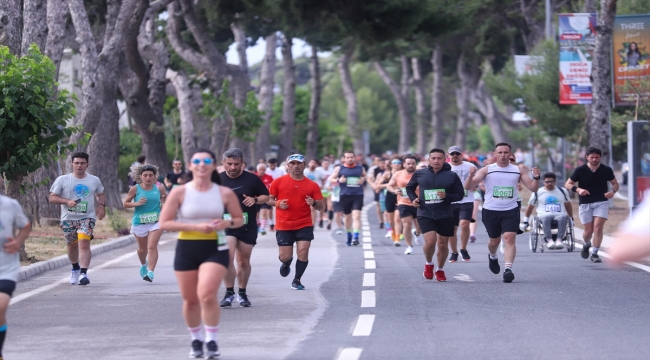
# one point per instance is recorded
(552, 204)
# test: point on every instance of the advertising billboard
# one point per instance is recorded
(577, 36)
(631, 59)
(638, 155)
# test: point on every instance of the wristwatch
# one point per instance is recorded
(537, 178)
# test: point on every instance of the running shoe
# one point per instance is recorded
(440, 276)
(74, 277)
(227, 300)
(464, 254)
(355, 242)
(329, 226)
(559, 245)
(348, 243)
(339, 232)
(296, 285)
(585, 251)
(428, 272)
(472, 238)
(143, 270)
(595, 258)
(453, 257)
(320, 223)
(243, 300)
(272, 227)
(508, 276)
(262, 231)
(494, 265)
(381, 225)
(550, 245)
(417, 238)
(396, 243)
(148, 277)
(196, 351)
(285, 269)
(211, 350)
(409, 250)
(83, 279)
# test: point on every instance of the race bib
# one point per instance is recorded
(81, 208)
(465, 193)
(552, 208)
(503, 192)
(402, 192)
(353, 181)
(222, 243)
(149, 218)
(431, 196)
(229, 217)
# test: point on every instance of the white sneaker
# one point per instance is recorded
(559, 245)
(339, 231)
(388, 234)
(502, 247)
(74, 277)
(409, 250)
(416, 238)
(550, 245)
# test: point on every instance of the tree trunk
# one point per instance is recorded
(312, 127)
(25, 201)
(289, 101)
(57, 16)
(482, 100)
(186, 110)
(354, 129)
(265, 97)
(436, 98)
(35, 24)
(240, 39)
(11, 25)
(599, 124)
(241, 85)
(402, 107)
(462, 101)
(420, 107)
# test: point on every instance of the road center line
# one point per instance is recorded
(369, 279)
(350, 354)
(364, 325)
(370, 264)
(369, 254)
(367, 239)
(368, 298)
(367, 246)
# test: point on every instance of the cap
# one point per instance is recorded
(454, 149)
(295, 157)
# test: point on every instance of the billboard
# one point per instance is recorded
(577, 36)
(631, 59)
(638, 155)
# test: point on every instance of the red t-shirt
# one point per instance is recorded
(267, 180)
(298, 215)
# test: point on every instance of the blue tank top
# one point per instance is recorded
(150, 211)
(351, 186)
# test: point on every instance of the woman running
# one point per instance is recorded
(202, 250)
(147, 197)
(391, 200)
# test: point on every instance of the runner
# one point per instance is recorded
(275, 171)
(313, 173)
(336, 207)
(478, 204)
(176, 176)
(12, 218)
(375, 173)
(265, 208)
(351, 178)
(594, 195)
(250, 191)
(439, 188)
(293, 195)
(77, 193)
(500, 212)
(327, 170)
(393, 226)
(201, 259)
(147, 198)
(463, 209)
(407, 212)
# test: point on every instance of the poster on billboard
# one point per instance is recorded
(638, 157)
(631, 59)
(577, 35)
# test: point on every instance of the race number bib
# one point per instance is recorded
(149, 218)
(81, 208)
(503, 192)
(353, 181)
(552, 208)
(222, 243)
(403, 192)
(229, 217)
(431, 196)
(465, 193)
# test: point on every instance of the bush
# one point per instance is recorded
(118, 223)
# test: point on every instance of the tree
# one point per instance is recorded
(289, 99)
(265, 96)
(312, 133)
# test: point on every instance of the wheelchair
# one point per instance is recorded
(537, 234)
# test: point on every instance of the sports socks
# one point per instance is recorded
(196, 333)
(439, 269)
(594, 250)
(349, 234)
(330, 215)
(356, 234)
(84, 270)
(387, 226)
(211, 333)
(493, 256)
(509, 265)
(230, 290)
(3, 333)
(263, 223)
(242, 291)
(429, 263)
(301, 266)
(75, 266)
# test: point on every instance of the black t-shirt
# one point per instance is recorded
(377, 171)
(250, 185)
(173, 177)
(593, 181)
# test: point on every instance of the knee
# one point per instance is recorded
(243, 263)
(192, 303)
(464, 226)
(152, 248)
(84, 244)
(443, 244)
(207, 298)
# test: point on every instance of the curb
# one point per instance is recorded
(42, 266)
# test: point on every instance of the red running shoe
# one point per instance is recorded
(440, 276)
(428, 272)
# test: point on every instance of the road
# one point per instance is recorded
(559, 306)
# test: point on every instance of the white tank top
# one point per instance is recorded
(501, 187)
(201, 206)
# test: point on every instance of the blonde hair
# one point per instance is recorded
(137, 170)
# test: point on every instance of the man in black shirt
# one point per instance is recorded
(594, 195)
(251, 191)
(175, 177)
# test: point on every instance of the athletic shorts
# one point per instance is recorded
(190, 254)
(144, 229)
(336, 206)
(444, 227)
(266, 206)
(7, 287)
(462, 211)
(351, 202)
(326, 193)
(498, 222)
(407, 210)
(247, 235)
(391, 202)
(376, 197)
(588, 211)
(72, 227)
(289, 237)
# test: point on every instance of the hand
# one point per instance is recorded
(472, 171)
(309, 200)
(283, 204)
(362, 180)
(71, 203)
(208, 228)
(416, 202)
(609, 194)
(398, 191)
(377, 190)
(523, 226)
(249, 201)
(11, 246)
(582, 192)
(220, 225)
(536, 172)
(141, 202)
(442, 194)
(100, 212)
(343, 179)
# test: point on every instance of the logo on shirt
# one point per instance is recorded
(552, 200)
(81, 190)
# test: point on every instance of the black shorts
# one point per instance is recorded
(288, 237)
(247, 234)
(499, 222)
(444, 227)
(391, 202)
(376, 197)
(462, 212)
(7, 287)
(351, 202)
(266, 206)
(190, 254)
(336, 206)
(407, 210)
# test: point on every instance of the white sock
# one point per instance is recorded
(211, 333)
(428, 263)
(196, 333)
(439, 269)
(493, 256)
(594, 250)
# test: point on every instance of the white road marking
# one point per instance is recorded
(364, 325)
(369, 254)
(367, 246)
(365, 227)
(368, 298)
(369, 279)
(366, 234)
(607, 256)
(350, 354)
(463, 277)
(367, 239)
(370, 264)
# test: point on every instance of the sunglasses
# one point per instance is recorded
(396, 162)
(454, 154)
(296, 157)
(512, 160)
(207, 161)
(148, 168)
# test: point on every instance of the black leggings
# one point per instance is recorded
(7, 287)
(391, 202)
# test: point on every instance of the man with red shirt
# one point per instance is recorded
(293, 195)
(265, 209)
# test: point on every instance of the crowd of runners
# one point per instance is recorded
(220, 205)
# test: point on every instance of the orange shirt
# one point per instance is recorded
(402, 178)
(298, 215)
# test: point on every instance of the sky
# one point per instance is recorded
(255, 54)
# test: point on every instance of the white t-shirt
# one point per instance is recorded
(11, 217)
(549, 202)
(501, 191)
(316, 176)
(84, 190)
(462, 171)
(275, 173)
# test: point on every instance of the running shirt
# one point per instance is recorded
(462, 171)
(402, 178)
(549, 202)
(501, 187)
(247, 184)
(11, 217)
(83, 190)
(352, 185)
(316, 176)
(298, 214)
(150, 211)
(275, 173)
(326, 172)
(593, 181)
(200, 207)
(173, 177)
(267, 180)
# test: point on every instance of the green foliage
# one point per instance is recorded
(32, 114)
(118, 223)
(628, 7)
(303, 98)
(244, 121)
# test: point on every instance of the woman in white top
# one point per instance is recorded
(202, 255)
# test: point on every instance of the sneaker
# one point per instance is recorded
(453, 257)
(296, 285)
(211, 350)
(320, 223)
(285, 269)
(262, 231)
(464, 254)
(148, 277)
(389, 234)
(585, 251)
(349, 242)
(472, 238)
(381, 225)
(559, 245)
(409, 250)
(196, 351)
(595, 258)
(508, 276)
(428, 272)
(243, 300)
(227, 300)
(440, 276)
(417, 238)
(494, 265)
(339, 232)
(272, 227)
(396, 243)
(143, 270)
(329, 226)
(83, 279)
(74, 277)
(550, 245)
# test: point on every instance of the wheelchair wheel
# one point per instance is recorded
(570, 240)
(532, 242)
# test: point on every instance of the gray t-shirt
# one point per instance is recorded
(83, 190)
(11, 218)
(549, 202)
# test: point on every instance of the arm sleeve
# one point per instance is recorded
(611, 176)
(316, 192)
(410, 187)
(56, 186)
(100, 187)
(458, 191)
(574, 177)
(273, 189)
(20, 220)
